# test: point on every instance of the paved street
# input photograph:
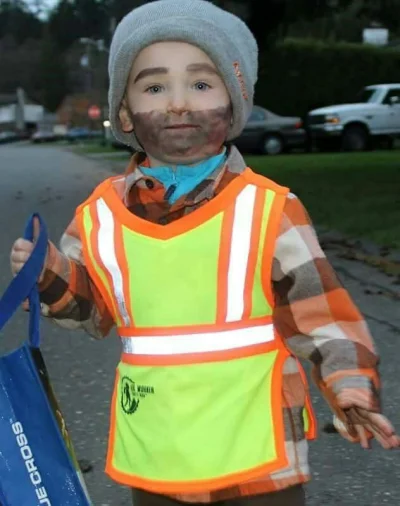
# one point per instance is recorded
(53, 181)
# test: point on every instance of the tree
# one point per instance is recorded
(119, 8)
(386, 12)
(71, 20)
(18, 64)
(40, 8)
(51, 77)
(18, 22)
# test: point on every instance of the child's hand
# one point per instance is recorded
(362, 423)
(21, 251)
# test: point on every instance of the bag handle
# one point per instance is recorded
(24, 285)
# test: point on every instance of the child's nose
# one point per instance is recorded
(178, 103)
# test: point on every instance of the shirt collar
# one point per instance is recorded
(134, 176)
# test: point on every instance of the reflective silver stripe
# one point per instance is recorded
(239, 252)
(108, 256)
(198, 343)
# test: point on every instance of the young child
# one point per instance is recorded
(213, 276)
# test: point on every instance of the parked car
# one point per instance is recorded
(271, 134)
(77, 133)
(374, 115)
(41, 136)
(8, 136)
(82, 133)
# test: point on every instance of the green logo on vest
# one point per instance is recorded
(130, 394)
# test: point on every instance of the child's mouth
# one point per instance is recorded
(180, 126)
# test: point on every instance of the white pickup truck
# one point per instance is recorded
(375, 114)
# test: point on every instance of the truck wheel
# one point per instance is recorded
(355, 138)
(272, 145)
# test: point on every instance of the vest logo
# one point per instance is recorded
(131, 393)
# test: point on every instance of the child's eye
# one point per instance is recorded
(202, 86)
(154, 89)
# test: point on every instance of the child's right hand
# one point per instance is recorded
(21, 251)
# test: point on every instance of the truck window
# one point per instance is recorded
(367, 95)
(392, 93)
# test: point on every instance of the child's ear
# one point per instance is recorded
(125, 117)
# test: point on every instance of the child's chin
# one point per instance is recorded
(185, 159)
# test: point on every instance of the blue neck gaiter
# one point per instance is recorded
(184, 178)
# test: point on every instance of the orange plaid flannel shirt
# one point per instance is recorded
(313, 313)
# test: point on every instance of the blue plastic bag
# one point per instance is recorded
(38, 465)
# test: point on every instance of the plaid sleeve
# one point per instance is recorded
(317, 317)
(67, 294)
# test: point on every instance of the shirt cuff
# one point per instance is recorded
(50, 270)
(361, 389)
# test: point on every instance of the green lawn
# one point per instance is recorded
(355, 193)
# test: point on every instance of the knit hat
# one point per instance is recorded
(221, 35)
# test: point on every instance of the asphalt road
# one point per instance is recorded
(53, 182)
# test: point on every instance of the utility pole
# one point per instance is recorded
(20, 110)
(86, 61)
(113, 26)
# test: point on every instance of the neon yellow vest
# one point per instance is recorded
(197, 400)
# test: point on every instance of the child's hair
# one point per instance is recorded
(221, 35)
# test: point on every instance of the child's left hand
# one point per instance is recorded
(362, 423)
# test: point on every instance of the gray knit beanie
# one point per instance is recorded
(221, 35)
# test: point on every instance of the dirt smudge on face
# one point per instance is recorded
(159, 135)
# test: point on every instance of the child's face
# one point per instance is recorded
(176, 103)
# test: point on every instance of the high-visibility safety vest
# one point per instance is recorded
(197, 403)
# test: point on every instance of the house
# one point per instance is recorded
(18, 113)
(74, 110)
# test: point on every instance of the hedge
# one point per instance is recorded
(298, 75)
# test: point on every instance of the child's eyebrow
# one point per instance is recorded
(151, 71)
(193, 67)
(201, 67)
